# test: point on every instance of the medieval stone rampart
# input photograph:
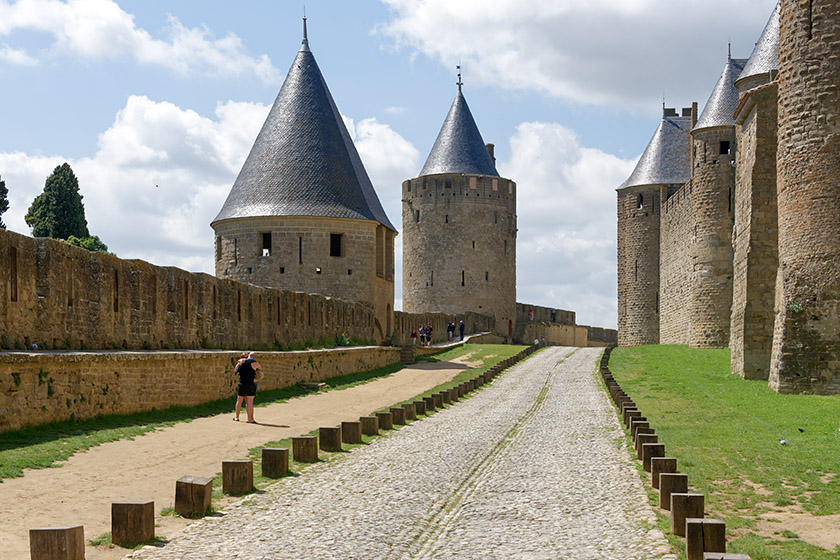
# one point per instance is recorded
(526, 312)
(675, 259)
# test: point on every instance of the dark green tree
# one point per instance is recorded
(4, 201)
(58, 212)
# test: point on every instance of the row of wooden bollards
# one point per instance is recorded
(134, 522)
(705, 539)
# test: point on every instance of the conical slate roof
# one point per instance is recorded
(765, 55)
(665, 160)
(459, 147)
(720, 108)
(303, 162)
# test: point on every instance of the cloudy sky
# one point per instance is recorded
(139, 93)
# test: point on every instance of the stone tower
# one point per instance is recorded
(302, 214)
(806, 345)
(755, 239)
(713, 185)
(662, 169)
(459, 224)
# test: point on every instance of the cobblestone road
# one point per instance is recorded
(532, 466)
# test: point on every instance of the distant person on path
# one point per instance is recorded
(450, 330)
(247, 388)
(461, 329)
(429, 334)
(422, 335)
(413, 337)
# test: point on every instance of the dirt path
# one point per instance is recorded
(81, 491)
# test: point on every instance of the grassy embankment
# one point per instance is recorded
(725, 433)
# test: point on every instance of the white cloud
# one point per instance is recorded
(101, 29)
(396, 110)
(16, 56)
(566, 252)
(600, 52)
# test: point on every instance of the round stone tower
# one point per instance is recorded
(302, 214)
(662, 169)
(806, 345)
(459, 225)
(713, 183)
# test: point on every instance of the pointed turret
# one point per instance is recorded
(765, 56)
(720, 108)
(665, 160)
(303, 162)
(459, 147)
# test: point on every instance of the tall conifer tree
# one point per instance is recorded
(4, 201)
(58, 212)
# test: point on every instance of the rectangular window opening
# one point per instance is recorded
(418, 216)
(462, 277)
(336, 245)
(724, 147)
(486, 276)
(266, 244)
(495, 217)
(282, 270)
(300, 250)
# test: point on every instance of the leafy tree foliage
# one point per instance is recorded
(58, 212)
(90, 243)
(4, 201)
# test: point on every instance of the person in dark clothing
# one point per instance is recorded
(461, 329)
(247, 388)
(450, 330)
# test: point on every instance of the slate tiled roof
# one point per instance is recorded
(665, 161)
(720, 108)
(459, 147)
(765, 55)
(303, 162)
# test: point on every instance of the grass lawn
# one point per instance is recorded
(725, 433)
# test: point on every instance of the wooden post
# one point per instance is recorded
(635, 424)
(132, 523)
(649, 451)
(438, 398)
(330, 438)
(724, 556)
(684, 506)
(642, 439)
(704, 535)
(445, 396)
(659, 465)
(631, 413)
(430, 404)
(410, 411)
(351, 432)
(237, 477)
(305, 449)
(57, 543)
(386, 420)
(193, 495)
(275, 461)
(398, 413)
(370, 425)
(420, 407)
(671, 483)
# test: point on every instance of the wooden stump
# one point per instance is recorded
(132, 522)
(635, 424)
(351, 432)
(370, 425)
(430, 404)
(649, 451)
(305, 449)
(684, 506)
(192, 495)
(642, 439)
(671, 483)
(445, 395)
(438, 398)
(724, 556)
(237, 477)
(420, 407)
(410, 411)
(330, 438)
(398, 413)
(57, 543)
(453, 394)
(386, 420)
(659, 465)
(275, 461)
(704, 535)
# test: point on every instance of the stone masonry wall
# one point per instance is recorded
(46, 387)
(405, 322)
(806, 345)
(713, 181)
(638, 265)
(61, 296)
(755, 238)
(459, 246)
(676, 245)
(545, 314)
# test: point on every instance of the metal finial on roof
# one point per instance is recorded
(729, 50)
(460, 83)
(304, 45)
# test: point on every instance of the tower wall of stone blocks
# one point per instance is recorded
(755, 237)
(676, 246)
(638, 265)
(713, 183)
(459, 246)
(806, 347)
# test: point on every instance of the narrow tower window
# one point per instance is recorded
(724, 147)
(486, 276)
(266, 244)
(336, 242)
(641, 202)
(432, 279)
(418, 216)
(473, 244)
(300, 250)
(495, 217)
(462, 277)
(636, 271)
(446, 219)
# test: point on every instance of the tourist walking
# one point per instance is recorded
(413, 337)
(422, 335)
(248, 370)
(461, 329)
(450, 330)
(429, 334)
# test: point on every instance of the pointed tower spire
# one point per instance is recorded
(720, 107)
(304, 45)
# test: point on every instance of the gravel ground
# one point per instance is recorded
(532, 466)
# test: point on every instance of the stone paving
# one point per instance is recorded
(532, 466)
